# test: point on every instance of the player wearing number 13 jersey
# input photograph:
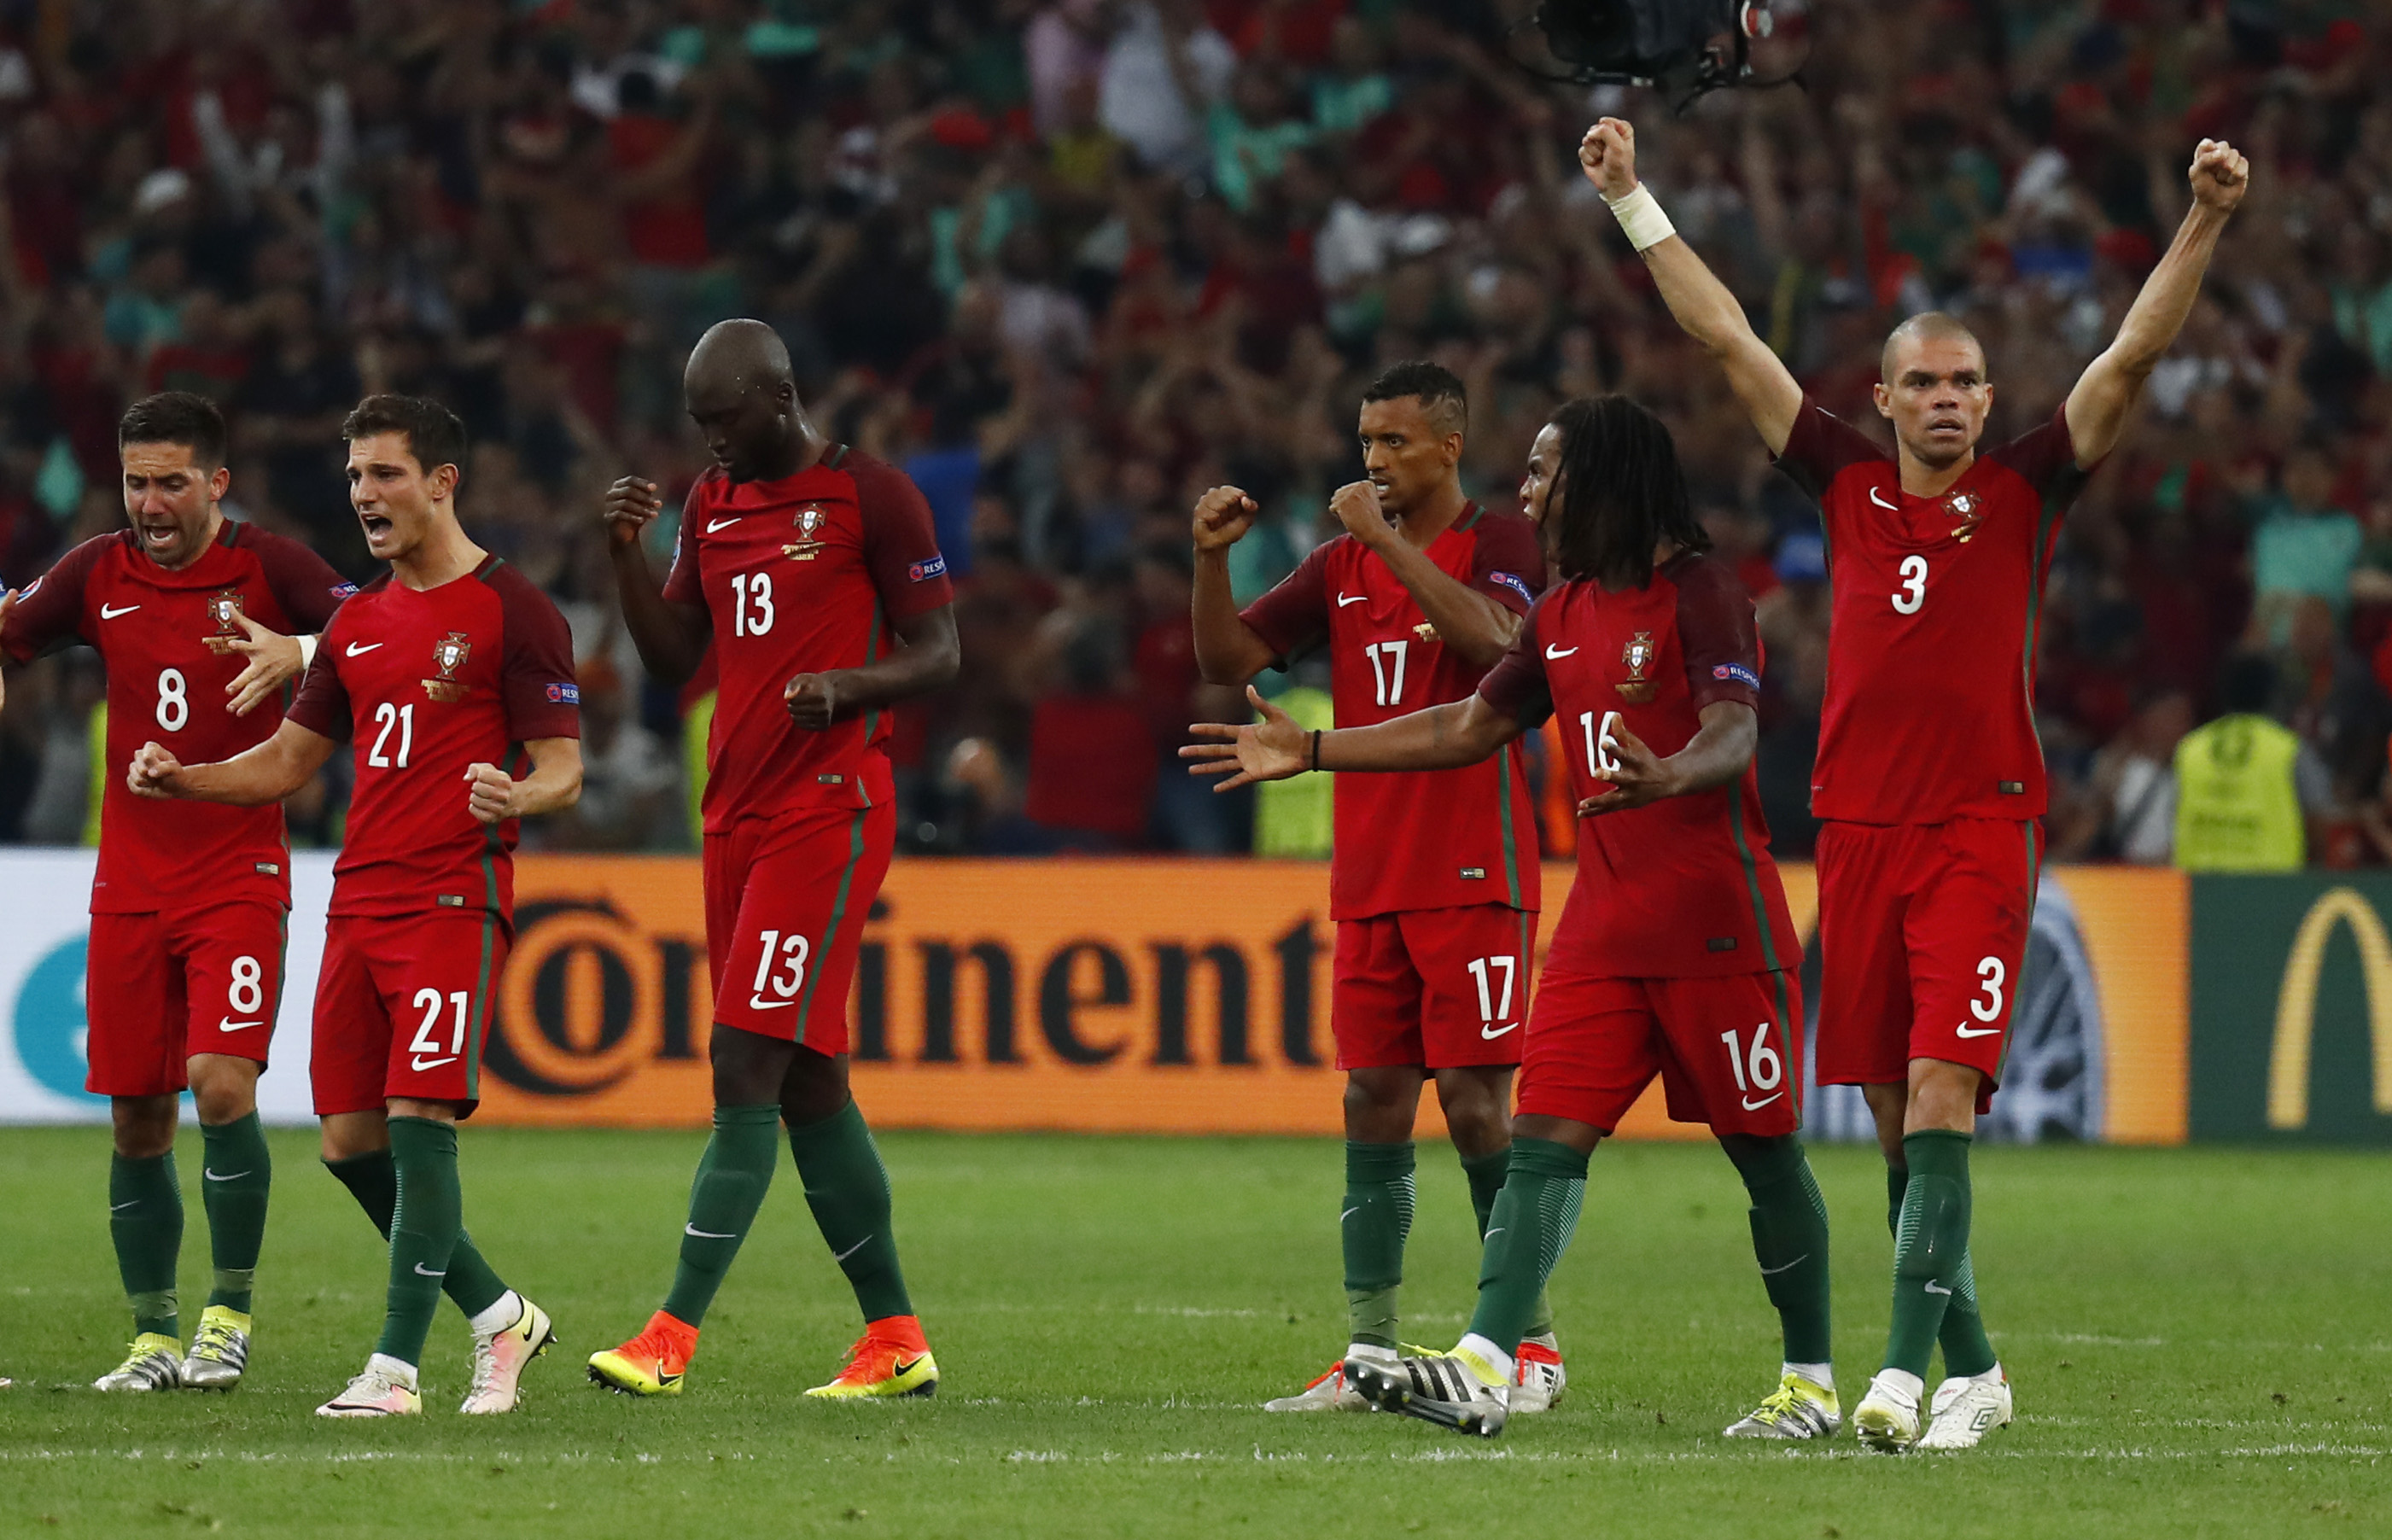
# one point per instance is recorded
(814, 573)
(1930, 779)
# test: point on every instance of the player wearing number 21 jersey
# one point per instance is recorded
(1674, 958)
(192, 613)
(444, 676)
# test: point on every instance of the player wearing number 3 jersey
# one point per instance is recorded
(190, 610)
(1674, 956)
(1930, 778)
(434, 674)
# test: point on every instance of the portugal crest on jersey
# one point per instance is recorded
(1638, 655)
(1967, 511)
(448, 655)
(805, 547)
(224, 609)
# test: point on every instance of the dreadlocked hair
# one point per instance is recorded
(1620, 493)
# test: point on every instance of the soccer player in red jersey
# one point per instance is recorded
(436, 671)
(184, 970)
(1930, 777)
(1675, 955)
(813, 572)
(1433, 875)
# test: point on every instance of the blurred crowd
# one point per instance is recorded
(1070, 262)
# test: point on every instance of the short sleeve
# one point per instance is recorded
(303, 583)
(682, 584)
(1820, 446)
(322, 704)
(1516, 687)
(48, 610)
(1716, 634)
(1508, 564)
(901, 541)
(536, 681)
(1293, 614)
(2045, 457)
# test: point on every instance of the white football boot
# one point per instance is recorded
(500, 1358)
(1966, 1408)
(1887, 1418)
(1537, 1376)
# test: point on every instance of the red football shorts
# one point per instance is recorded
(1728, 1049)
(1922, 934)
(402, 1005)
(786, 902)
(1432, 989)
(158, 988)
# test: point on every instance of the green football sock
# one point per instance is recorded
(373, 1182)
(236, 1174)
(145, 1219)
(423, 1232)
(733, 1176)
(1966, 1350)
(1486, 1173)
(1931, 1248)
(848, 1188)
(1376, 1220)
(1534, 1216)
(1789, 1239)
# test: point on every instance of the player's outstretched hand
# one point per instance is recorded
(1607, 155)
(2219, 175)
(812, 700)
(492, 796)
(274, 661)
(1639, 776)
(152, 771)
(1271, 750)
(631, 503)
(1359, 511)
(1223, 516)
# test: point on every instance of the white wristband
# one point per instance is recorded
(307, 652)
(1641, 219)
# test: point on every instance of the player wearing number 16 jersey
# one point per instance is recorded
(1674, 957)
(434, 674)
(815, 574)
(1930, 779)
(184, 970)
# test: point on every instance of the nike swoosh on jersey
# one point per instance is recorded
(1345, 599)
(1490, 1031)
(421, 1065)
(1751, 1105)
(225, 1023)
(758, 1002)
(1554, 653)
(1888, 507)
(109, 612)
(352, 650)
(1976, 1032)
(714, 523)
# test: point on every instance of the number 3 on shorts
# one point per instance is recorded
(1994, 974)
(782, 969)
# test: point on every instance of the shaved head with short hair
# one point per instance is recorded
(742, 354)
(1927, 326)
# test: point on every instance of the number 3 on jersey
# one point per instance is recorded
(1914, 586)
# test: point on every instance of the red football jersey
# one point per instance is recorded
(1681, 888)
(162, 635)
(1929, 709)
(802, 575)
(426, 684)
(1413, 839)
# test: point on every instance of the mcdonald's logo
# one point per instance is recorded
(2288, 1059)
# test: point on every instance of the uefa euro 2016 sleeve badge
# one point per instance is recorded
(224, 609)
(805, 547)
(1638, 655)
(1967, 511)
(448, 655)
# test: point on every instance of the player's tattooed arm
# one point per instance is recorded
(1719, 752)
(928, 659)
(1228, 651)
(1474, 626)
(1460, 732)
(2104, 398)
(671, 638)
(493, 796)
(266, 773)
(1699, 301)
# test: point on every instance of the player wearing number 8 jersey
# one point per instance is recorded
(436, 673)
(184, 970)
(1674, 956)
(814, 573)
(1930, 778)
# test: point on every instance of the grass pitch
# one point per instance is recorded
(2198, 1338)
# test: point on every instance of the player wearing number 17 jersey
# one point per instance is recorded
(815, 574)
(1674, 957)
(184, 970)
(436, 673)
(1930, 779)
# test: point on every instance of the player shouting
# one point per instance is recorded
(435, 671)
(1930, 777)
(1675, 955)
(184, 970)
(1433, 874)
(799, 559)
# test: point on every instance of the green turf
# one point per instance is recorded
(2198, 1337)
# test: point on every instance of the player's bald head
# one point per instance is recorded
(736, 356)
(1919, 330)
